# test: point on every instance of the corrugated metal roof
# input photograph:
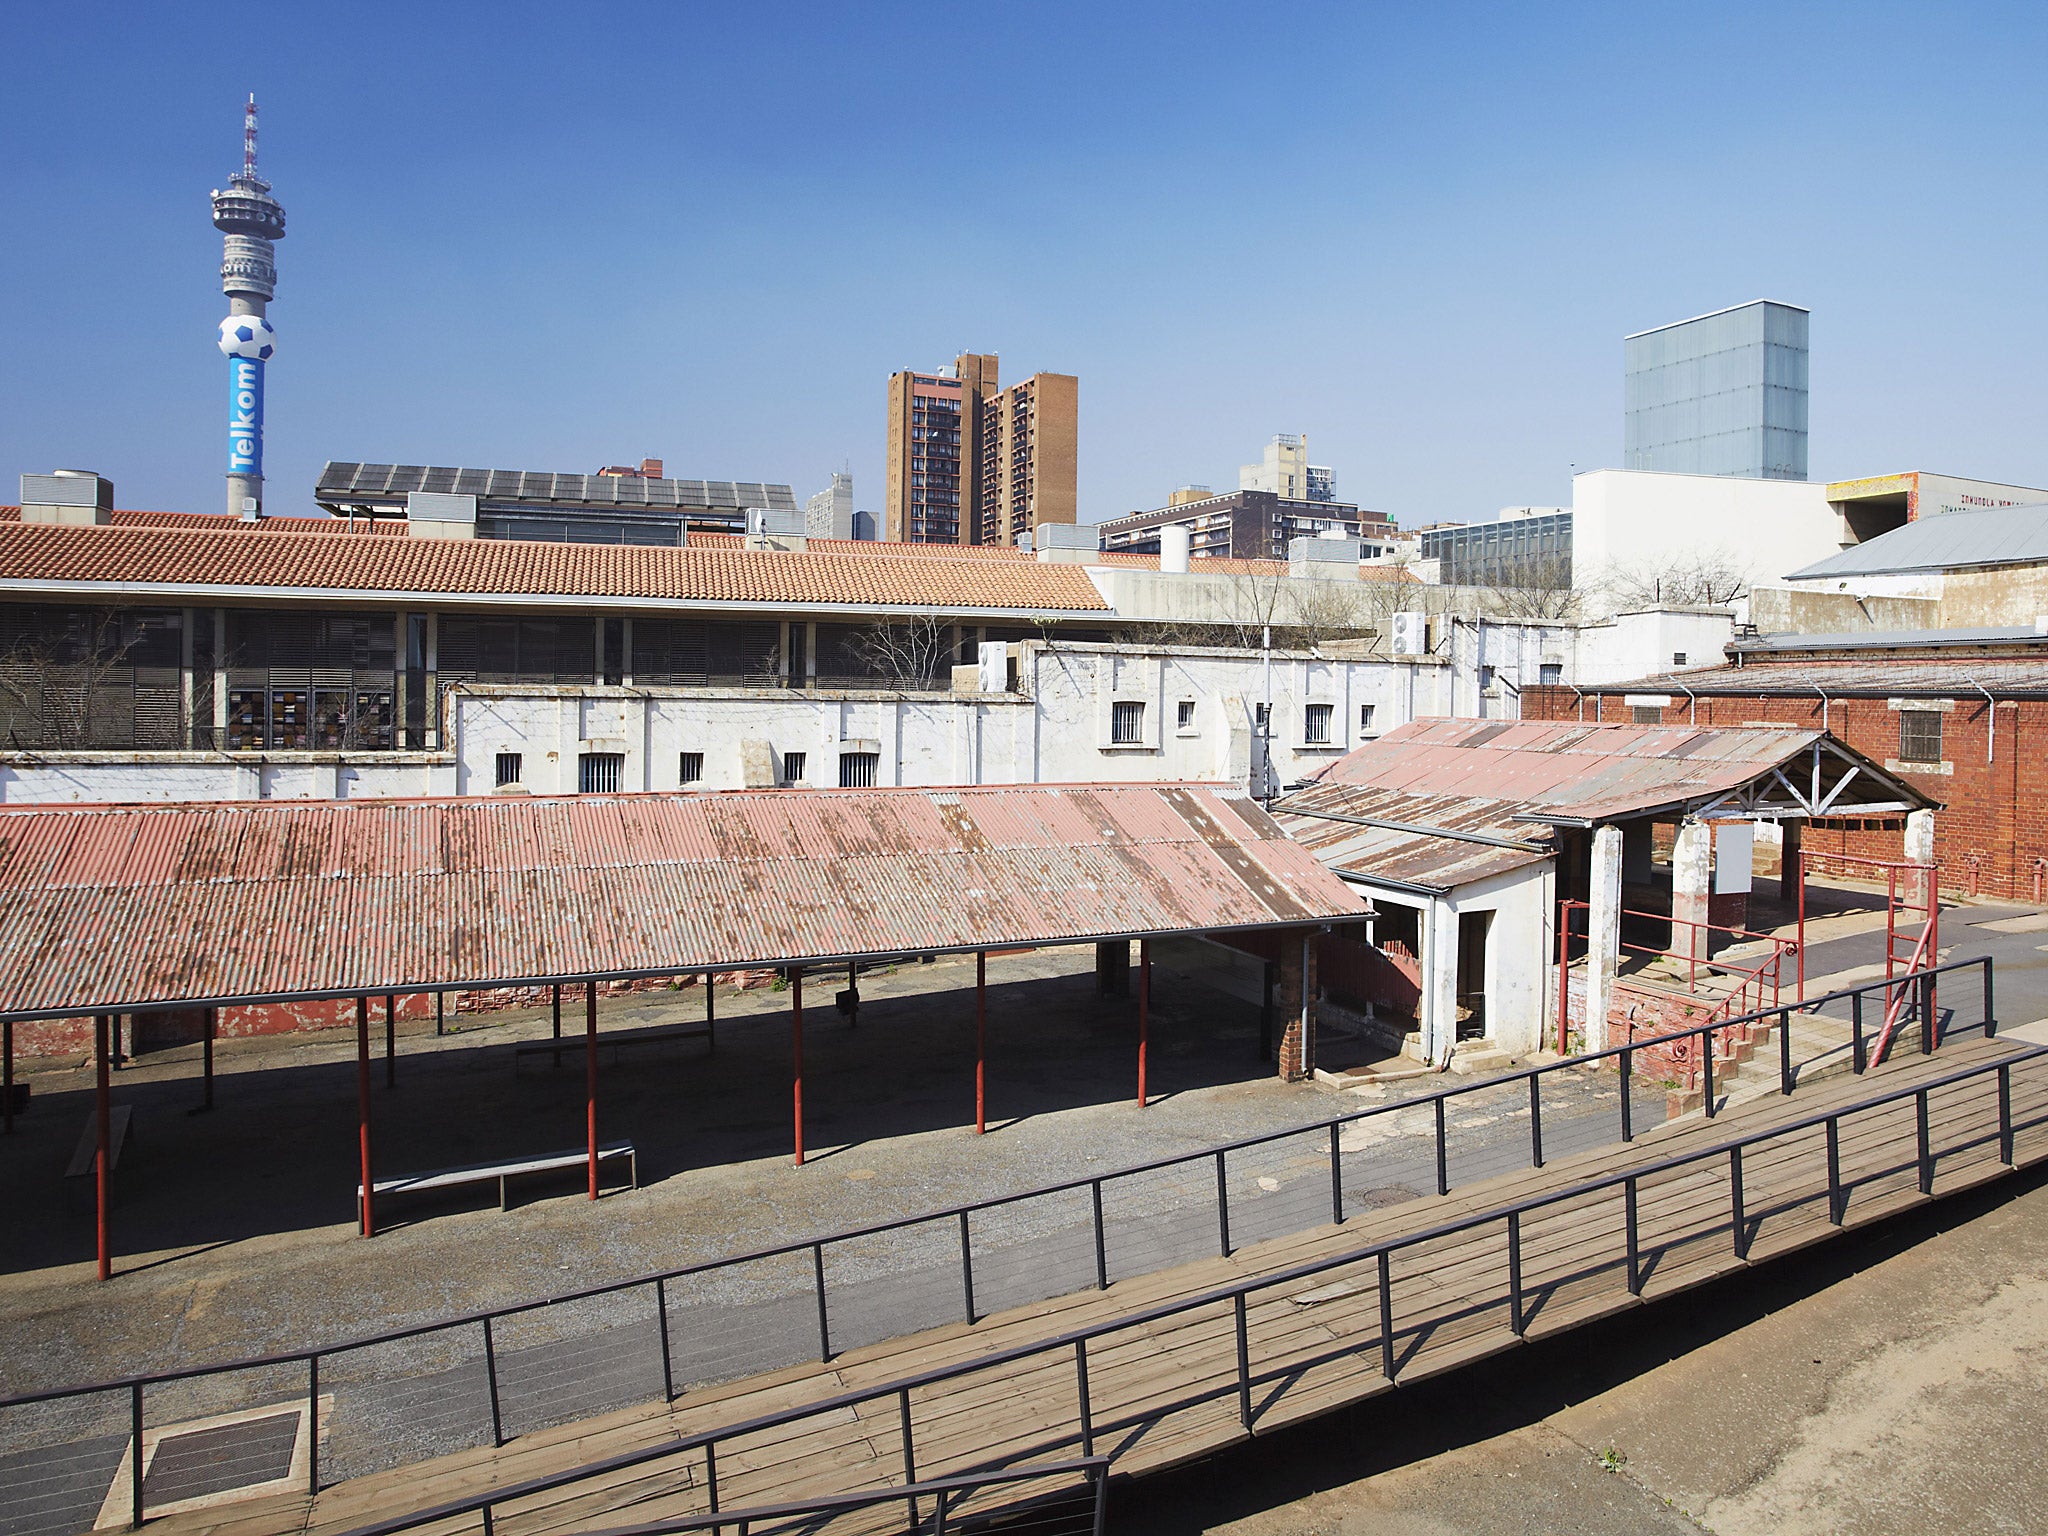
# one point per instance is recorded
(112, 908)
(1858, 678)
(2011, 636)
(1985, 536)
(1568, 770)
(1421, 857)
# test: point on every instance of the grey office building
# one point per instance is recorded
(1723, 394)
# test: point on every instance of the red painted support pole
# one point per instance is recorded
(390, 1041)
(796, 1045)
(102, 1025)
(590, 1079)
(1144, 1011)
(980, 1042)
(363, 1111)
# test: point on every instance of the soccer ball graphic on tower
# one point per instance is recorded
(249, 336)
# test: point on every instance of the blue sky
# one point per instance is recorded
(552, 237)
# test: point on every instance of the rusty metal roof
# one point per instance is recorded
(1577, 772)
(1407, 837)
(1860, 677)
(113, 908)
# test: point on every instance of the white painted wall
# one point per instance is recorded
(1625, 518)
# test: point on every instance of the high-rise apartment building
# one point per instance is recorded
(933, 483)
(1285, 471)
(1722, 394)
(1029, 442)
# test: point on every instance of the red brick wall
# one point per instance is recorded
(1986, 838)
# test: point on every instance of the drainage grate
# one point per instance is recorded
(200, 1463)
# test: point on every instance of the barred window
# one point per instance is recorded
(1920, 735)
(599, 773)
(1647, 714)
(1187, 714)
(1315, 725)
(509, 764)
(793, 767)
(857, 770)
(691, 770)
(1365, 717)
(1126, 723)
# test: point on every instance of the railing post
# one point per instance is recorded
(818, 1276)
(1244, 1364)
(1628, 1108)
(1535, 1120)
(1859, 1057)
(1099, 1476)
(1927, 1015)
(1835, 1201)
(668, 1377)
(909, 1459)
(313, 1423)
(1990, 1018)
(1707, 1069)
(491, 1383)
(1631, 1237)
(1443, 1161)
(1735, 1202)
(1387, 1316)
(1222, 1208)
(1336, 1173)
(1785, 1051)
(1515, 1271)
(711, 1480)
(1926, 1149)
(2005, 1114)
(967, 1267)
(1101, 1244)
(135, 1456)
(1081, 1394)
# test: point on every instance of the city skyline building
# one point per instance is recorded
(1720, 394)
(1030, 437)
(830, 513)
(1247, 525)
(932, 481)
(1284, 471)
(251, 223)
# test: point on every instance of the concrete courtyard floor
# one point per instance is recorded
(234, 1230)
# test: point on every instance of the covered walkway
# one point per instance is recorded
(106, 911)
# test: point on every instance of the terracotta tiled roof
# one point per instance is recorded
(220, 522)
(181, 556)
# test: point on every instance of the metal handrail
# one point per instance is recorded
(1094, 1182)
(1238, 1292)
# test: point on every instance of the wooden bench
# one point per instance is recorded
(503, 1172)
(572, 1046)
(89, 1142)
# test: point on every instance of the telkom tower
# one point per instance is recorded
(252, 220)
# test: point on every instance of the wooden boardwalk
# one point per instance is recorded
(1166, 1382)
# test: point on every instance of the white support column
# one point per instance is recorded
(1919, 849)
(1692, 867)
(1603, 942)
(1440, 984)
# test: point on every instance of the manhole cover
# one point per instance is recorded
(1384, 1195)
(199, 1463)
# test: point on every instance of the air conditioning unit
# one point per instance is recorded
(1411, 634)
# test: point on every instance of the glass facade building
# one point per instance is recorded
(1724, 394)
(1512, 552)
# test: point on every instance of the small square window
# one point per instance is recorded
(1678, 658)
(1550, 673)
(857, 770)
(1315, 724)
(1187, 714)
(1365, 717)
(1646, 714)
(599, 773)
(692, 768)
(1920, 735)
(1126, 723)
(793, 767)
(508, 768)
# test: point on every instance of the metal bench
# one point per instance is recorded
(572, 1046)
(503, 1172)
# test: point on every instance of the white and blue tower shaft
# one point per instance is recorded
(252, 221)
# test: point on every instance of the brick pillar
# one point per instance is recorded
(1294, 1003)
(1692, 870)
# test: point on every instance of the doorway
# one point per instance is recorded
(1474, 929)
